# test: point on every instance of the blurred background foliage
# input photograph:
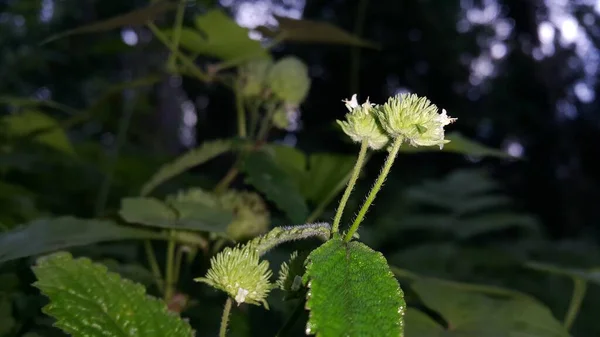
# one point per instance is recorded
(519, 75)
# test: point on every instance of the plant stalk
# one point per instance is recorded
(169, 272)
(389, 161)
(225, 318)
(364, 146)
(579, 290)
(241, 112)
(154, 265)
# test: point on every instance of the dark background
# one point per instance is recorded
(520, 75)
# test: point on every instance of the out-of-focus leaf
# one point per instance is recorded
(87, 300)
(137, 17)
(472, 314)
(134, 272)
(7, 322)
(319, 175)
(43, 128)
(263, 173)
(590, 275)
(418, 324)
(459, 144)
(352, 292)
(22, 102)
(177, 215)
(48, 235)
(219, 36)
(308, 31)
(197, 156)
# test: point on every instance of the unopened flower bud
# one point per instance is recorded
(415, 119)
(288, 79)
(361, 124)
(253, 75)
(238, 272)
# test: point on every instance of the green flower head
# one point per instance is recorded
(251, 215)
(254, 76)
(361, 124)
(288, 79)
(415, 119)
(238, 272)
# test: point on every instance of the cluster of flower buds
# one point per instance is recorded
(409, 117)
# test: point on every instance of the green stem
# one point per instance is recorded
(579, 290)
(188, 62)
(177, 32)
(378, 184)
(364, 146)
(289, 324)
(178, 260)
(123, 127)
(153, 265)
(266, 123)
(225, 318)
(169, 274)
(241, 112)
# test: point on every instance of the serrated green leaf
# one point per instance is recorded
(197, 156)
(43, 129)
(589, 275)
(352, 292)
(263, 173)
(175, 214)
(470, 314)
(308, 31)
(219, 36)
(134, 18)
(51, 234)
(459, 144)
(87, 300)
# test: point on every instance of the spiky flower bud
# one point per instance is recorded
(253, 75)
(288, 79)
(361, 124)
(238, 272)
(415, 119)
(290, 274)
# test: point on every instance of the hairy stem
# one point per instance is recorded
(389, 161)
(279, 235)
(579, 290)
(364, 146)
(225, 318)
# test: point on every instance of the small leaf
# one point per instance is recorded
(308, 31)
(219, 36)
(459, 144)
(472, 314)
(175, 214)
(87, 300)
(43, 128)
(137, 17)
(352, 292)
(264, 174)
(197, 156)
(47, 235)
(589, 275)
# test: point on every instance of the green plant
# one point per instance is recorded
(347, 287)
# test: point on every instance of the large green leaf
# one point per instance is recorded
(47, 235)
(318, 176)
(307, 31)
(197, 156)
(459, 144)
(470, 314)
(219, 36)
(186, 215)
(263, 173)
(42, 128)
(87, 300)
(137, 17)
(352, 292)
